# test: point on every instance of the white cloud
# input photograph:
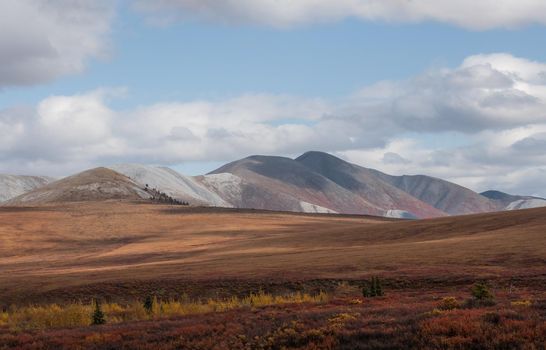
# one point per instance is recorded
(473, 14)
(495, 91)
(41, 40)
(482, 124)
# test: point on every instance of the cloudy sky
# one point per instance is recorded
(453, 89)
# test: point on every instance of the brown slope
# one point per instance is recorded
(279, 183)
(365, 183)
(76, 244)
(92, 185)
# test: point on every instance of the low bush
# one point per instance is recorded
(480, 291)
(449, 303)
(525, 303)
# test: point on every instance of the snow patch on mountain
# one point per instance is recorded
(313, 208)
(227, 185)
(399, 214)
(526, 204)
(171, 183)
(12, 186)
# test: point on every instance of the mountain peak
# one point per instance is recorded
(322, 160)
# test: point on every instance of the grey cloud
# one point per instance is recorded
(469, 99)
(41, 40)
(535, 144)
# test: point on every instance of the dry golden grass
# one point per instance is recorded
(65, 245)
(79, 314)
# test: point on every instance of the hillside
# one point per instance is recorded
(443, 195)
(315, 182)
(71, 245)
(91, 185)
(278, 183)
(168, 181)
(420, 192)
(513, 202)
(15, 185)
(367, 185)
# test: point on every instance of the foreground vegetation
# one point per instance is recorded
(473, 317)
(82, 315)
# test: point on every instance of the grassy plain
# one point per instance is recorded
(121, 252)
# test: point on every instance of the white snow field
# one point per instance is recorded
(399, 214)
(170, 182)
(313, 208)
(526, 204)
(12, 186)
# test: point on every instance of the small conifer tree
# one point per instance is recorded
(481, 292)
(378, 288)
(97, 318)
(374, 289)
(149, 304)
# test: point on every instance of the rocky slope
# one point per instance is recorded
(166, 180)
(12, 186)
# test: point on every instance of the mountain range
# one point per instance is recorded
(315, 182)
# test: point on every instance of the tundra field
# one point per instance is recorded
(230, 278)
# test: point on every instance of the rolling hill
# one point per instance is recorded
(92, 185)
(78, 245)
(166, 180)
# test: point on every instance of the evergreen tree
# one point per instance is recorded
(149, 304)
(366, 293)
(378, 289)
(374, 288)
(481, 292)
(97, 317)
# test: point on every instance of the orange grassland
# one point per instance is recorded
(81, 244)
(120, 252)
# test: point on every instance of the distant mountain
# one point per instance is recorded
(278, 183)
(91, 185)
(15, 185)
(166, 180)
(315, 182)
(368, 185)
(443, 195)
(512, 202)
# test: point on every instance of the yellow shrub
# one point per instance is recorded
(339, 320)
(135, 312)
(4, 316)
(78, 315)
(522, 303)
(449, 303)
(434, 312)
(50, 316)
